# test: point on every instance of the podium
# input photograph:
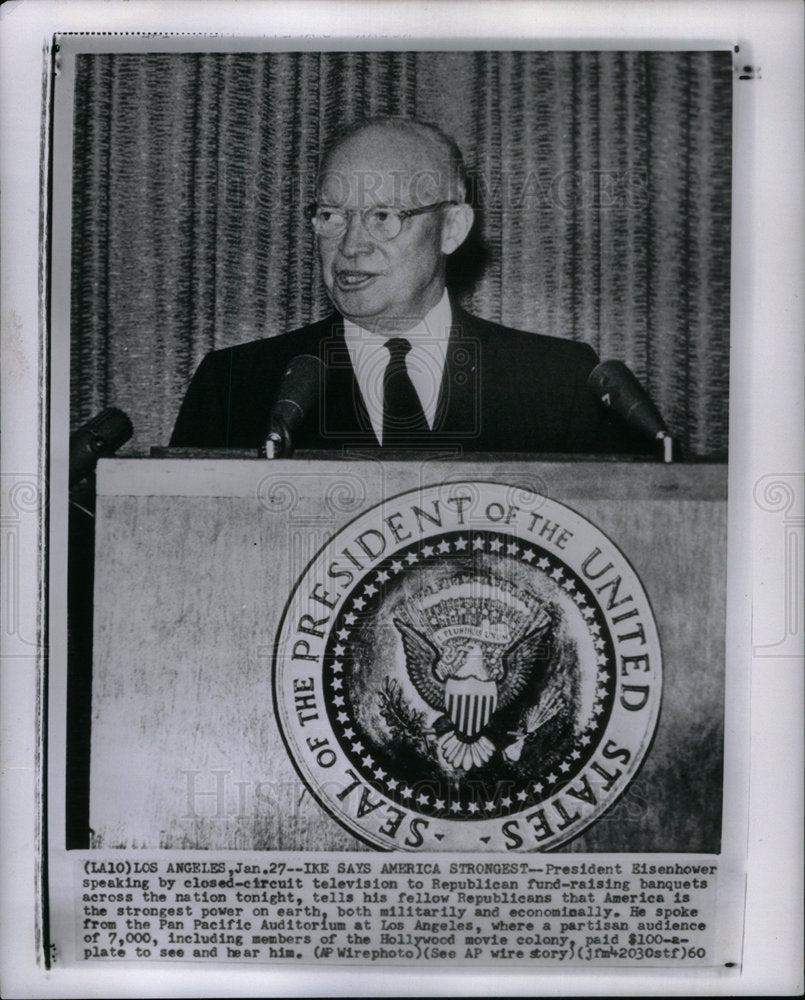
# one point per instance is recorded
(196, 559)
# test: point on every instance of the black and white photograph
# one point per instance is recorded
(394, 407)
(348, 258)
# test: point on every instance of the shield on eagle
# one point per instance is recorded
(470, 703)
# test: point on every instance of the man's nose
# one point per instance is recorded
(355, 239)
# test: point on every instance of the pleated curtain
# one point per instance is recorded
(601, 182)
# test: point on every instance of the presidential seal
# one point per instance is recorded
(467, 667)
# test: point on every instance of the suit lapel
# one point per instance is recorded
(458, 412)
(343, 412)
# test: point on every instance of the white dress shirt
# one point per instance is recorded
(425, 361)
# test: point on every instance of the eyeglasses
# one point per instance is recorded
(382, 224)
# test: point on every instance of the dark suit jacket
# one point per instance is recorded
(502, 390)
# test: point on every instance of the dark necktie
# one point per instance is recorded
(402, 411)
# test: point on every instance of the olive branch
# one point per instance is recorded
(403, 721)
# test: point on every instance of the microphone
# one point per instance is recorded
(296, 397)
(618, 389)
(99, 438)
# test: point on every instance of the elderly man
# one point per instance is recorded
(404, 366)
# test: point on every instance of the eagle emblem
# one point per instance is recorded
(475, 673)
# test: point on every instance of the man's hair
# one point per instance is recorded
(445, 146)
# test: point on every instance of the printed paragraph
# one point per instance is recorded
(385, 910)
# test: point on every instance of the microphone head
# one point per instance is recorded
(617, 388)
(98, 438)
(298, 392)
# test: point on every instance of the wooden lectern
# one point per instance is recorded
(195, 561)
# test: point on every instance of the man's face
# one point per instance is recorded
(385, 286)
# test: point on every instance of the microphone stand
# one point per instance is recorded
(667, 446)
(278, 442)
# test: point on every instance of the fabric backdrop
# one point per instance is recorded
(601, 180)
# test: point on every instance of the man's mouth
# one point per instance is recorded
(352, 280)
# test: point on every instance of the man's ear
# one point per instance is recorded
(457, 224)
